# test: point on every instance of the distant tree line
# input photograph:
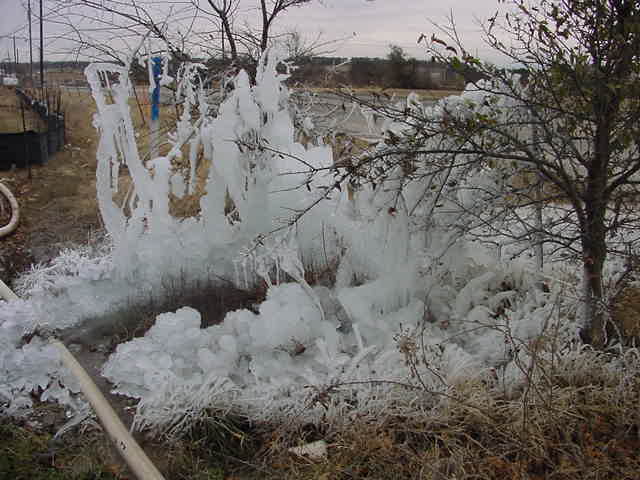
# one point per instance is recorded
(397, 70)
(23, 68)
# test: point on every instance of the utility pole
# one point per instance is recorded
(30, 43)
(15, 57)
(41, 53)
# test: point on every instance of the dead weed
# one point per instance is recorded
(586, 429)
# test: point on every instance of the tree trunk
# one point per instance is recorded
(266, 24)
(594, 245)
(594, 331)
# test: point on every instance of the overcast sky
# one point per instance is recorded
(361, 28)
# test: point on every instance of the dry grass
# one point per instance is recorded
(11, 114)
(65, 77)
(582, 426)
(29, 452)
(626, 314)
(581, 421)
(57, 199)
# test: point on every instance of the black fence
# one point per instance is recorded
(30, 147)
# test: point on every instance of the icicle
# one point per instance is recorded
(356, 332)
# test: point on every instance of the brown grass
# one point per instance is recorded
(581, 421)
(587, 427)
(626, 314)
(66, 77)
(11, 114)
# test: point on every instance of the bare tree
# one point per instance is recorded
(106, 28)
(225, 11)
(270, 10)
(113, 29)
(253, 41)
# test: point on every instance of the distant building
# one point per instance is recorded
(9, 80)
(437, 73)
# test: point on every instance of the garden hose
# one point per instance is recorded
(124, 442)
(15, 211)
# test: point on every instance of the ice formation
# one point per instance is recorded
(418, 302)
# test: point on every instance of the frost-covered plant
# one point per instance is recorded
(70, 267)
(73, 286)
(418, 303)
(249, 145)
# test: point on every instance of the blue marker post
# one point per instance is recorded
(155, 108)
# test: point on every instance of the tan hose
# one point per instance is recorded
(6, 292)
(135, 457)
(15, 211)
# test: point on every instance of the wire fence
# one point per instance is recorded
(30, 147)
